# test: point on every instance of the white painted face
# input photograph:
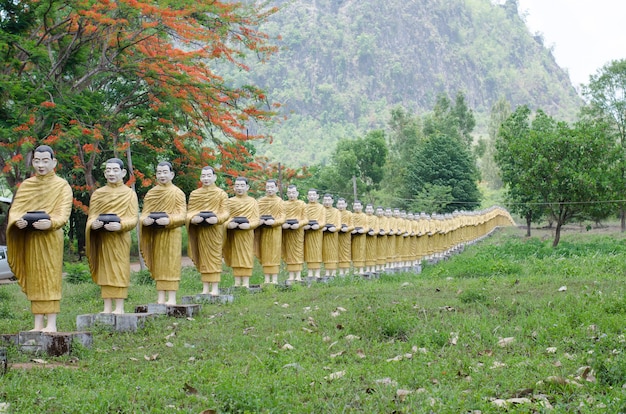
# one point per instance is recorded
(43, 162)
(271, 188)
(388, 212)
(357, 207)
(380, 212)
(241, 187)
(369, 209)
(114, 173)
(164, 175)
(312, 196)
(328, 201)
(207, 177)
(292, 193)
(341, 205)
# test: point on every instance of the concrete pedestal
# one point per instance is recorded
(126, 322)
(207, 298)
(177, 311)
(51, 343)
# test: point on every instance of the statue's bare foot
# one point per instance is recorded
(49, 329)
(170, 302)
(118, 311)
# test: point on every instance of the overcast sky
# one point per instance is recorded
(584, 34)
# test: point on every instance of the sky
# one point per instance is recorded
(584, 34)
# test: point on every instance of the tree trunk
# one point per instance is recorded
(622, 216)
(557, 234)
(528, 220)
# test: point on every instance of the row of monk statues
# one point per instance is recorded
(329, 240)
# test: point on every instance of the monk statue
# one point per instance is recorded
(330, 241)
(268, 236)
(313, 234)
(357, 249)
(113, 213)
(344, 241)
(371, 240)
(164, 213)
(206, 215)
(382, 245)
(243, 218)
(293, 233)
(39, 210)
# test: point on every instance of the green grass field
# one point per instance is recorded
(509, 325)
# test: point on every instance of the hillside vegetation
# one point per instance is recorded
(344, 64)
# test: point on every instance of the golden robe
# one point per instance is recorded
(382, 245)
(109, 251)
(36, 257)
(239, 243)
(293, 240)
(161, 247)
(330, 241)
(357, 248)
(371, 241)
(345, 239)
(268, 239)
(205, 242)
(313, 238)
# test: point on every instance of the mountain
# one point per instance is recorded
(343, 64)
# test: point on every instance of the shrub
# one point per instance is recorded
(77, 272)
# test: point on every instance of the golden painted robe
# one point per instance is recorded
(108, 252)
(313, 238)
(293, 240)
(161, 247)
(330, 241)
(268, 239)
(357, 249)
(205, 242)
(382, 245)
(345, 239)
(371, 241)
(239, 243)
(36, 257)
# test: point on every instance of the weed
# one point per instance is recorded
(77, 272)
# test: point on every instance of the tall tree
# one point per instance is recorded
(606, 95)
(490, 172)
(569, 169)
(98, 79)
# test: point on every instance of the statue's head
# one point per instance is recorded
(114, 171)
(271, 187)
(292, 192)
(312, 195)
(328, 200)
(207, 175)
(357, 207)
(164, 172)
(241, 186)
(43, 160)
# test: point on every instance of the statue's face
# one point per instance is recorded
(341, 205)
(114, 173)
(164, 175)
(328, 201)
(271, 188)
(396, 213)
(388, 212)
(292, 193)
(207, 177)
(357, 207)
(312, 196)
(43, 162)
(241, 187)
(380, 212)
(369, 210)
(409, 216)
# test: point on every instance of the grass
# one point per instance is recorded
(435, 342)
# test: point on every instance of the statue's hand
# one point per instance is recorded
(114, 226)
(244, 226)
(286, 226)
(163, 221)
(148, 221)
(232, 225)
(43, 224)
(97, 224)
(295, 226)
(21, 223)
(270, 222)
(196, 220)
(212, 220)
(315, 227)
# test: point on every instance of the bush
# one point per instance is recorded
(142, 277)
(77, 272)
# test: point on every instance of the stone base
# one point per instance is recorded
(207, 298)
(125, 322)
(51, 343)
(177, 311)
